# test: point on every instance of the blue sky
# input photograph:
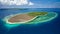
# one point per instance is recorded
(35, 4)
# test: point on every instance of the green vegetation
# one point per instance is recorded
(37, 13)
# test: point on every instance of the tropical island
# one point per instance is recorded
(30, 17)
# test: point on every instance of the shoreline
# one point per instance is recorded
(8, 17)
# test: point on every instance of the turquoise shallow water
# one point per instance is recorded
(38, 20)
(41, 19)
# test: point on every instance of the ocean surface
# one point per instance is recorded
(51, 27)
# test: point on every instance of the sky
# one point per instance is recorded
(29, 3)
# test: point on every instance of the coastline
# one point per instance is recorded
(8, 17)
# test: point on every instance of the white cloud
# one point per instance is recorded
(16, 2)
(30, 3)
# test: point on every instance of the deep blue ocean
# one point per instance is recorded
(51, 27)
